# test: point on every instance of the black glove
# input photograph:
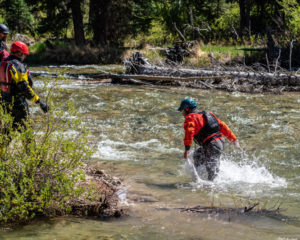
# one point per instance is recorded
(43, 106)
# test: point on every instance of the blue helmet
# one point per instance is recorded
(187, 103)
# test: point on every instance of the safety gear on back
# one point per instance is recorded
(187, 103)
(19, 46)
(5, 81)
(211, 129)
(4, 29)
(3, 54)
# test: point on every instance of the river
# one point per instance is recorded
(137, 134)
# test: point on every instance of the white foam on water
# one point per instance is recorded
(122, 195)
(107, 149)
(74, 66)
(117, 150)
(114, 150)
(250, 178)
(99, 104)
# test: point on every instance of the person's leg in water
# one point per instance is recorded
(212, 152)
(199, 157)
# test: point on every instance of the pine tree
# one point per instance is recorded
(18, 16)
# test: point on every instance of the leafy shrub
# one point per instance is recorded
(228, 22)
(158, 35)
(38, 47)
(291, 10)
(41, 168)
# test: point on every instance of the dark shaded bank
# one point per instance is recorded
(72, 54)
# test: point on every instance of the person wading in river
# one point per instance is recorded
(16, 87)
(207, 131)
(3, 35)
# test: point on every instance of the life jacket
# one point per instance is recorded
(5, 81)
(210, 130)
(3, 54)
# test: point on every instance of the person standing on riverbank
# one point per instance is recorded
(207, 131)
(3, 35)
(16, 87)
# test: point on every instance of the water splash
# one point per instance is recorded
(245, 174)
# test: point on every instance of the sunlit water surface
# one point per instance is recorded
(137, 135)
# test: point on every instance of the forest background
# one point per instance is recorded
(103, 30)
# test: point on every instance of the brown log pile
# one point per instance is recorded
(139, 71)
(240, 79)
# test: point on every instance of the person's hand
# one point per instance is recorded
(44, 106)
(186, 154)
(237, 143)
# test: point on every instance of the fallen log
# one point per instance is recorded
(134, 65)
(141, 72)
(134, 79)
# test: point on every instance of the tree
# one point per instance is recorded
(112, 20)
(77, 22)
(99, 19)
(55, 17)
(245, 8)
(18, 16)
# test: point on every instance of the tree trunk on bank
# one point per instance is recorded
(244, 16)
(99, 20)
(77, 22)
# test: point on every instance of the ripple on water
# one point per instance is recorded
(118, 150)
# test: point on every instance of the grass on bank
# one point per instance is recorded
(67, 53)
(200, 54)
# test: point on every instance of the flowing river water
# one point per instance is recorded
(137, 134)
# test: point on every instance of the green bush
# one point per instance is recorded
(41, 168)
(38, 47)
(225, 24)
(291, 10)
(158, 35)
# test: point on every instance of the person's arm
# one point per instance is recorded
(189, 127)
(20, 75)
(226, 131)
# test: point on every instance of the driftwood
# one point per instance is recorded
(231, 80)
(139, 71)
(233, 214)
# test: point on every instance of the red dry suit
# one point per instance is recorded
(205, 127)
(3, 53)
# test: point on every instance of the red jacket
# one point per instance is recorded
(194, 122)
(3, 54)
